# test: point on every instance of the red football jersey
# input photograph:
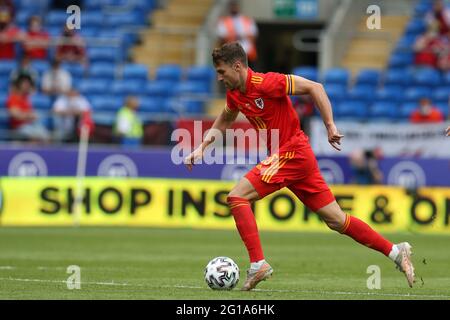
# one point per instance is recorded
(267, 106)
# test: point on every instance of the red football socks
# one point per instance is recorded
(362, 233)
(246, 225)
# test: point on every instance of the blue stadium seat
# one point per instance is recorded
(205, 74)
(336, 92)
(89, 32)
(416, 93)
(397, 77)
(310, 73)
(407, 108)
(389, 93)
(444, 107)
(92, 18)
(75, 69)
(422, 8)
(6, 66)
(151, 105)
(56, 18)
(368, 77)
(337, 76)
(127, 87)
(401, 59)
(105, 54)
(4, 84)
(3, 97)
(447, 78)
(384, 110)
(106, 103)
(35, 6)
(187, 87)
(361, 93)
(171, 72)
(41, 66)
(103, 70)
(41, 102)
(352, 109)
(93, 86)
(415, 27)
(426, 77)
(193, 106)
(132, 18)
(160, 89)
(135, 71)
(441, 94)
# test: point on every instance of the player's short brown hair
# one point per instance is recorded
(229, 53)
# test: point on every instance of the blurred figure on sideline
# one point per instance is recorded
(128, 126)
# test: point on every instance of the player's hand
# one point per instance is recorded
(447, 131)
(334, 137)
(195, 155)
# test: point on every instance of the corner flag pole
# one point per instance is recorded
(81, 172)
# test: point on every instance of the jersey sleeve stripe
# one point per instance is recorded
(292, 84)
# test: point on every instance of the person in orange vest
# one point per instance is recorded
(240, 28)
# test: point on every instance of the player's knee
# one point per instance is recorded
(335, 223)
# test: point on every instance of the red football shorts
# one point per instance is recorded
(296, 170)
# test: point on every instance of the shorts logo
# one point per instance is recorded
(117, 165)
(27, 164)
(259, 103)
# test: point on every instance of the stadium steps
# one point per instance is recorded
(172, 36)
(372, 48)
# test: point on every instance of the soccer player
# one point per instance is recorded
(263, 99)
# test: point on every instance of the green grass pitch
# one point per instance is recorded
(153, 263)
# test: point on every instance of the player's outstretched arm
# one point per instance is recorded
(321, 101)
(222, 122)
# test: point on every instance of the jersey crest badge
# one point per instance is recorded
(259, 103)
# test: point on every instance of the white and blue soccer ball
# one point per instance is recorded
(222, 273)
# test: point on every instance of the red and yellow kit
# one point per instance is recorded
(266, 105)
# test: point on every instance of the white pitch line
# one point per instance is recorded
(256, 290)
(332, 292)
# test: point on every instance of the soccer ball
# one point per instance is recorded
(222, 273)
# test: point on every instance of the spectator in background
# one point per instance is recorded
(305, 110)
(56, 81)
(23, 120)
(128, 127)
(426, 113)
(439, 17)
(25, 69)
(71, 47)
(9, 35)
(8, 6)
(36, 40)
(241, 28)
(365, 169)
(71, 111)
(444, 54)
(427, 48)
